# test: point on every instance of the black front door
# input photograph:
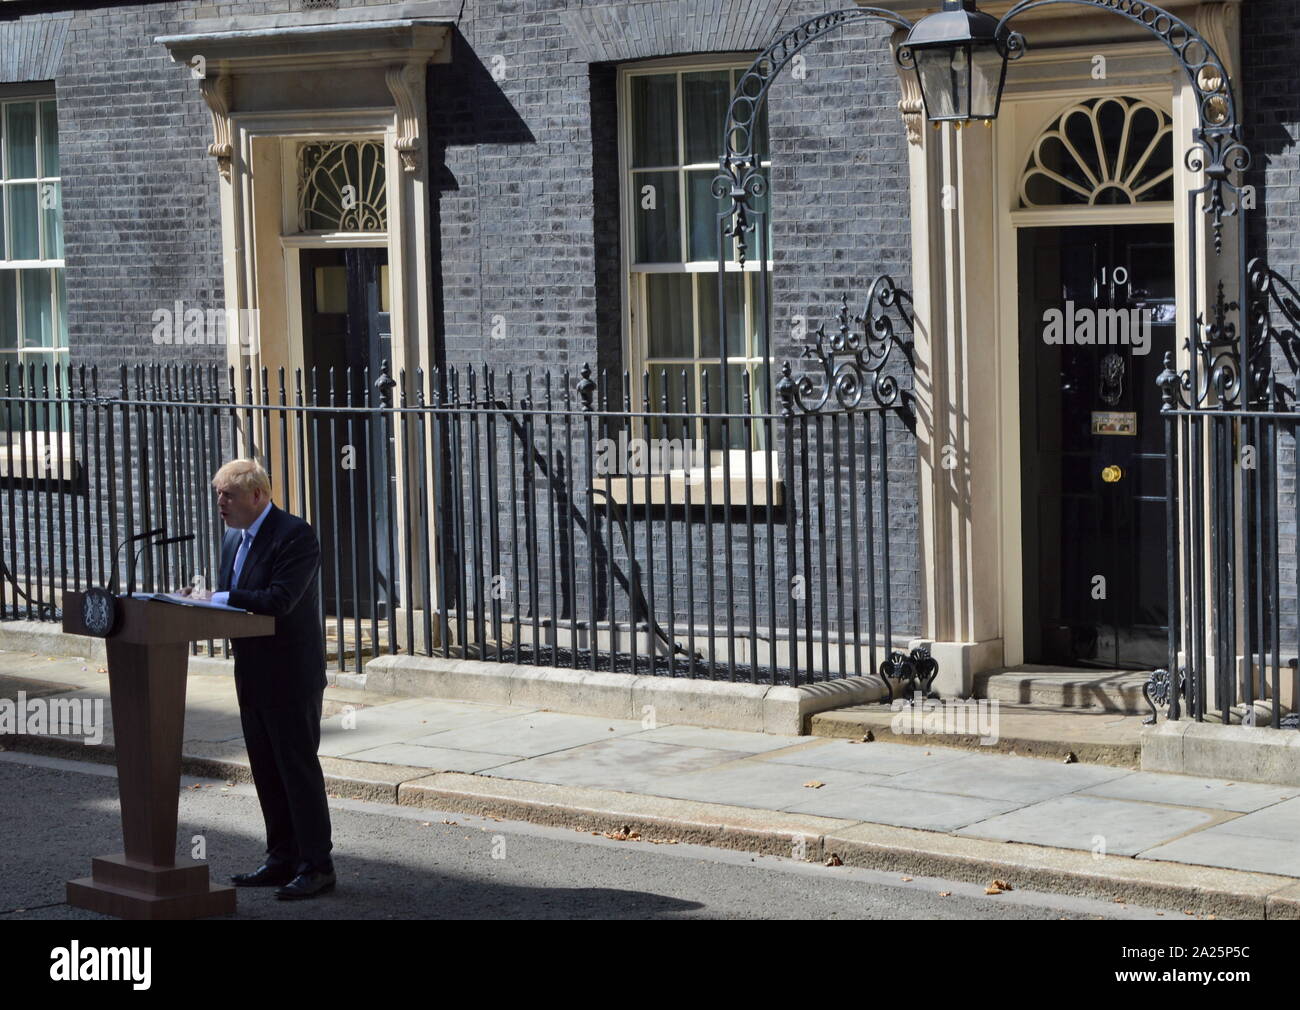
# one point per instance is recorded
(346, 328)
(1096, 318)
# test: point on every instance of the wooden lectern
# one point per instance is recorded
(147, 658)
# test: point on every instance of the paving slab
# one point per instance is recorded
(721, 739)
(755, 783)
(999, 777)
(1188, 791)
(1087, 822)
(624, 764)
(532, 734)
(903, 808)
(870, 758)
(1280, 822)
(1216, 846)
(438, 758)
(403, 721)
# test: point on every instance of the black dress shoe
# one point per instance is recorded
(307, 885)
(265, 875)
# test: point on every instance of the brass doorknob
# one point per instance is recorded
(1112, 475)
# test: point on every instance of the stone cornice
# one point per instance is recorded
(295, 47)
(400, 49)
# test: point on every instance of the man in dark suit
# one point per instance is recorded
(269, 563)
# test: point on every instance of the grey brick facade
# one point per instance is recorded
(524, 167)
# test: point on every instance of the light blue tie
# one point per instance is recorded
(244, 544)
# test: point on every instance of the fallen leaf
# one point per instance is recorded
(814, 784)
(907, 880)
(945, 894)
(445, 821)
(834, 860)
(868, 736)
(1001, 885)
(1071, 758)
(425, 824)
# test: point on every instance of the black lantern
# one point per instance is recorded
(960, 60)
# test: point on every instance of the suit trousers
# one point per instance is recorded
(282, 744)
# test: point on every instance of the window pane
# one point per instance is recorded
(61, 306)
(38, 318)
(8, 310)
(658, 217)
(704, 103)
(24, 236)
(735, 288)
(735, 427)
(668, 316)
(702, 216)
(52, 215)
(49, 139)
(654, 121)
(668, 427)
(20, 139)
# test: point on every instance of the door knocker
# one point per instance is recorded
(1112, 379)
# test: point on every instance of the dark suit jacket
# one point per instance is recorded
(278, 578)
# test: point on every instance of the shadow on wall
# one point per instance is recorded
(467, 108)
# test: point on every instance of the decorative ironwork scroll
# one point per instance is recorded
(852, 357)
(919, 669)
(342, 186)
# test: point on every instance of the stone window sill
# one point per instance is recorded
(671, 487)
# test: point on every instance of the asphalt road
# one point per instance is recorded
(406, 863)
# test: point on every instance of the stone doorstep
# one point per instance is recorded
(1178, 887)
(1024, 730)
(1055, 687)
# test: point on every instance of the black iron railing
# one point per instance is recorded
(552, 520)
(1232, 515)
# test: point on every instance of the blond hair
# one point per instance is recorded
(245, 474)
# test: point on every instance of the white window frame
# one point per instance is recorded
(634, 290)
(56, 352)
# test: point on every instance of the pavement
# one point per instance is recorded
(1101, 831)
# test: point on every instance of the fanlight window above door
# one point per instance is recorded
(341, 186)
(1105, 151)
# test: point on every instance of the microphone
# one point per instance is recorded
(130, 572)
(112, 579)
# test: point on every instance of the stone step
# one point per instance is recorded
(1093, 736)
(1054, 687)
